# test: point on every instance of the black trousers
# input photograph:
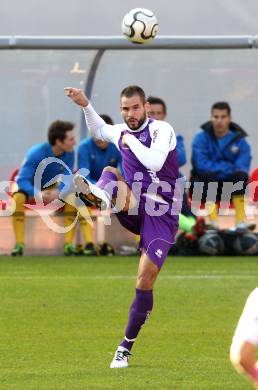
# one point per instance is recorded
(207, 187)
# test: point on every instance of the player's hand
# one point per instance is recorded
(77, 95)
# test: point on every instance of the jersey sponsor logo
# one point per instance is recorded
(170, 139)
(143, 136)
(159, 253)
(154, 136)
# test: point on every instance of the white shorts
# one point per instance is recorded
(247, 328)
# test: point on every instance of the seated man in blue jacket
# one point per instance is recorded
(187, 221)
(95, 155)
(221, 153)
(61, 141)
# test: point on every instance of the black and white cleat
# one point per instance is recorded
(121, 358)
(90, 193)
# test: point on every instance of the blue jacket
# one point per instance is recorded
(220, 156)
(180, 147)
(95, 159)
(34, 156)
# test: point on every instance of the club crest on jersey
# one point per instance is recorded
(143, 136)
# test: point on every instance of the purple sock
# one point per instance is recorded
(107, 182)
(139, 312)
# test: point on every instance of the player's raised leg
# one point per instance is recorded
(104, 193)
(139, 311)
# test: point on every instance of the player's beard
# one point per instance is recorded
(137, 123)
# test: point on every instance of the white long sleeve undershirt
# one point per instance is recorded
(151, 158)
(94, 121)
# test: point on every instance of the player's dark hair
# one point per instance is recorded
(107, 119)
(221, 106)
(157, 100)
(132, 90)
(57, 131)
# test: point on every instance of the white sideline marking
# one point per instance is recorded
(132, 277)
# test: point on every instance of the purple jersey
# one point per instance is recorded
(150, 159)
(150, 179)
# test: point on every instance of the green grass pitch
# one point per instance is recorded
(62, 318)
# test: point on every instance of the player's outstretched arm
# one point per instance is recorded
(96, 125)
(78, 96)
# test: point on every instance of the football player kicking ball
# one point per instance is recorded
(245, 340)
(142, 200)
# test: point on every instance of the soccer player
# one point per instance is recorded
(94, 155)
(61, 142)
(150, 172)
(245, 340)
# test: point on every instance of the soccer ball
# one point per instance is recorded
(211, 244)
(140, 25)
(246, 244)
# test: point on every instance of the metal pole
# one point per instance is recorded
(119, 42)
(89, 86)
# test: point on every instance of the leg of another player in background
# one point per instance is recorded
(70, 213)
(89, 248)
(18, 220)
(243, 359)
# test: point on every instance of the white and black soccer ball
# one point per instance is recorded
(211, 244)
(246, 244)
(140, 25)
